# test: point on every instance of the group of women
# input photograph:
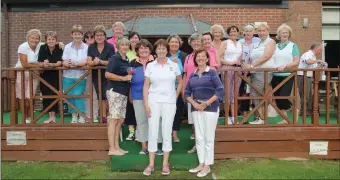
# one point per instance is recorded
(155, 86)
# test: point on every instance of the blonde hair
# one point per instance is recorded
(282, 27)
(122, 40)
(53, 34)
(265, 25)
(195, 37)
(98, 29)
(219, 27)
(77, 28)
(33, 32)
(118, 24)
(175, 36)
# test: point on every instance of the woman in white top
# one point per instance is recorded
(75, 56)
(230, 54)
(28, 58)
(287, 56)
(262, 56)
(160, 95)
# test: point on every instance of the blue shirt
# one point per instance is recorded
(204, 86)
(137, 81)
(179, 55)
(118, 66)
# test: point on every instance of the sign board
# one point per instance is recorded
(16, 138)
(318, 147)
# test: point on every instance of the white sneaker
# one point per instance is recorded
(74, 119)
(192, 136)
(81, 120)
(28, 121)
(259, 121)
(95, 120)
(230, 121)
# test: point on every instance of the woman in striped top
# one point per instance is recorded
(204, 91)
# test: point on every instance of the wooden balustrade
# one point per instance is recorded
(266, 97)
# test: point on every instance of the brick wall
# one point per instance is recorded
(62, 21)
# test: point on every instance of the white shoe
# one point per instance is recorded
(203, 174)
(95, 120)
(81, 120)
(195, 170)
(259, 121)
(74, 119)
(28, 121)
(283, 122)
(231, 121)
(192, 136)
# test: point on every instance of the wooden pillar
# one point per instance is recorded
(315, 117)
(14, 114)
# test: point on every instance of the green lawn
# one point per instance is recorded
(230, 169)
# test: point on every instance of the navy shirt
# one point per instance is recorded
(105, 55)
(204, 86)
(118, 66)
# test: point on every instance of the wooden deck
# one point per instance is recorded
(63, 141)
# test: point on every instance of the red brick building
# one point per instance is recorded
(21, 15)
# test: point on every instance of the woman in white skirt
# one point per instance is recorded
(204, 91)
(160, 95)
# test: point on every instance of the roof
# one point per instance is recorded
(164, 26)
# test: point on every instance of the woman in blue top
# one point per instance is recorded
(143, 50)
(204, 90)
(177, 56)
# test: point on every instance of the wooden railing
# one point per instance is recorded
(267, 97)
(61, 97)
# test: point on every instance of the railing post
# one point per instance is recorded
(315, 116)
(14, 115)
(226, 101)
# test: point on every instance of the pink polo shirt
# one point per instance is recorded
(189, 66)
(212, 61)
(113, 42)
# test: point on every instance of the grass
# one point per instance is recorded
(229, 169)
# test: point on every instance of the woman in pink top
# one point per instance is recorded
(195, 41)
(118, 29)
(218, 35)
(230, 54)
(207, 44)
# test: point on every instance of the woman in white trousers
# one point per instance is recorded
(160, 95)
(204, 90)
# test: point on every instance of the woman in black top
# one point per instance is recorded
(49, 57)
(118, 87)
(98, 54)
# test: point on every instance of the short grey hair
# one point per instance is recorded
(195, 37)
(265, 25)
(249, 27)
(33, 32)
(315, 45)
(282, 27)
(122, 40)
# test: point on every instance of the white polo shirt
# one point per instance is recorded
(75, 55)
(309, 55)
(162, 81)
(32, 56)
